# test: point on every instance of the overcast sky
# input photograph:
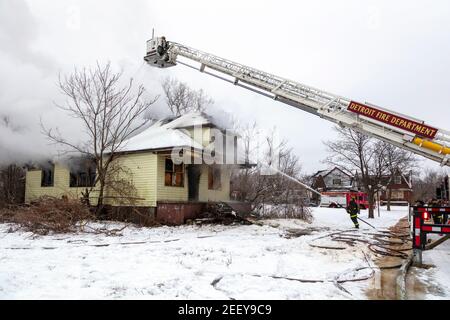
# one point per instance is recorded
(395, 54)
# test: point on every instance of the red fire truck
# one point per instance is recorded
(336, 199)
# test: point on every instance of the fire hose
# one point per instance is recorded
(340, 206)
(380, 243)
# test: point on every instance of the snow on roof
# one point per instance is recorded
(189, 120)
(319, 173)
(341, 170)
(166, 134)
(326, 172)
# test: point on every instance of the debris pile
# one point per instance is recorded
(222, 213)
(48, 215)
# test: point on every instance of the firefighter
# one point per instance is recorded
(162, 49)
(353, 211)
(437, 218)
(419, 203)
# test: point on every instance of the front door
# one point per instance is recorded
(194, 173)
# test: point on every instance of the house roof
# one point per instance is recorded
(320, 173)
(341, 170)
(325, 173)
(167, 133)
(171, 133)
(191, 119)
(387, 178)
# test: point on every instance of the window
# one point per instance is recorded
(214, 178)
(82, 173)
(398, 180)
(398, 195)
(47, 177)
(174, 174)
(337, 182)
(83, 178)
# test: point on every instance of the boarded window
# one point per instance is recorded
(47, 178)
(174, 174)
(214, 178)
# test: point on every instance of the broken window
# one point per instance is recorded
(174, 174)
(47, 177)
(83, 175)
(214, 178)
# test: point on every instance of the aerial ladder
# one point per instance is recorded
(398, 129)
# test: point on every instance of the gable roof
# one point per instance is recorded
(387, 179)
(191, 119)
(319, 173)
(336, 168)
(325, 173)
(167, 133)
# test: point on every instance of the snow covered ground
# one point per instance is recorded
(438, 277)
(186, 262)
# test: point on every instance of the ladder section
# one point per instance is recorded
(279, 87)
(329, 106)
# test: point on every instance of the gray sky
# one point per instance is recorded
(395, 54)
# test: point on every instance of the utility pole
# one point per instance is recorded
(448, 188)
(379, 203)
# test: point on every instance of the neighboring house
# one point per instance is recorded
(401, 189)
(334, 179)
(339, 180)
(164, 190)
(400, 186)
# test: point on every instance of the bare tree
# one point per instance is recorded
(242, 178)
(398, 161)
(12, 175)
(120, 186)
(12, 185)
(181, 99)
(110, 112)
(270, 185)
(5, 120)
(425, 185)
(355, 152)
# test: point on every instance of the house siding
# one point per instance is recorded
(60, 188)
(401, 192)
(223, 194)
(144, 170)
(169, 193)
(141, 172)
(346, 181)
